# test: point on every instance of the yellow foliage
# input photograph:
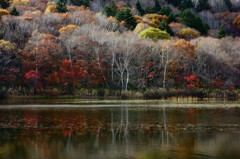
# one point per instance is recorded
(7, 45)
(51, 8)
(236, 22)
(189, 32)
(154, 34)
(154, 23)
(3, 12)
(70, 26)
(156, 16)
(20, 1)
(140, 27)
(37, 12)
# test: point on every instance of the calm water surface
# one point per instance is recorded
(81, 129)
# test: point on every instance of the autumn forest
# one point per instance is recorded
(150, 48)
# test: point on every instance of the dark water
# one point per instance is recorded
(119, 130)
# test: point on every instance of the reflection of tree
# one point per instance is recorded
(109, 132)
(31, 118)
(121, 129)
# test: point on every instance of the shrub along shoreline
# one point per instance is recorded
(155, 93)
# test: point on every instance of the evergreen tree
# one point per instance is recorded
(150, 10)
(228, 3)
(128, 5)
(111, 9)
(189, 19)
(139, 8)
(221, 33)
(175, 2)
(86, 3)
(203, 5)
(4, 4)
(171, 18)
(61, 6)
(126, 15)
(157, 6)
(186, 4)
(165, 11)
(14, 11)
(165, 27)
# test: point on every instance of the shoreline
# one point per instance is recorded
(150, 94)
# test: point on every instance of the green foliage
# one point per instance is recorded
(157, 6)
(4, 4)
(149, 10)
(171, 18)
(128, 5)
(221, 33)
(139, 8)
(165, 11)
(111, 9)
(154, 34)
(174, 2)
(126, 16)
(165, 27)
(203, 5)
(81, 2)
(228, 3)
(189, 33)
(189, 19)
(186, 4)
(61, 6)
(14, 11)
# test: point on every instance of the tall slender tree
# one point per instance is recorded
(139, 8)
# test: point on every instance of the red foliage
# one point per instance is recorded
(98, 71)
(66, 132)
(30, 118)
(192, 81)
(71, 73)
(151, 75)
(217, 83)
(230, 86)
(32, 75)
(53, 78)
(9, 74)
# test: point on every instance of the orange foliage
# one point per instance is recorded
(156, 16)
(138, 18)
(185, 49)
(70, 26)
(236, 22)
(111, 20)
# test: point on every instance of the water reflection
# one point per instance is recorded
(119, 132)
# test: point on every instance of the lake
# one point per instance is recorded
(116, 129)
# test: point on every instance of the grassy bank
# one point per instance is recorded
(155, 93)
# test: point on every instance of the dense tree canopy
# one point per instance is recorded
(189, 19)
(54, 46)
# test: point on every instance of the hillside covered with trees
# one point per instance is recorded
(90, 47)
